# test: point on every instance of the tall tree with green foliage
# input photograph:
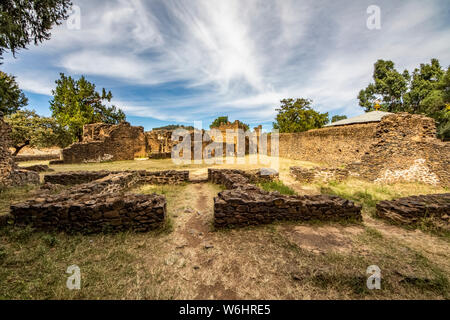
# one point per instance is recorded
(11, 97)
(224, 120)
(338, 118)
(425, 91)
(29, 129)
(298, 116)
(218, 122)
(29, 21)
(76, 103)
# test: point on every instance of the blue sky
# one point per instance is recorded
(170, 61)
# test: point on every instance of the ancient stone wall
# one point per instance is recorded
(10, 174)
(331, 146)
(36, 157)
(406, 150)
(93, 207)
(411, 210)
(401, 148)
(150, 177)
(245, 204)
(104, 142)
(309, 175)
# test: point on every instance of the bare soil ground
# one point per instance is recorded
(191, 260)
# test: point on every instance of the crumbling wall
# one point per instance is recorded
(245, 204)
(150, 177)
(93, 207)
(309, 175)
(406, 150)
(401, 148)
(104, 142)
(411, 210)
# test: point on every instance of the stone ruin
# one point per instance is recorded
(97, 202)
(411, 210)
(10, 174)
(106, 142)
(245, 204)
(404, 148)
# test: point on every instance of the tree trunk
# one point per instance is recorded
(18, 148)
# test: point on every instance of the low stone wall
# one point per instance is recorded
(95, 206)
(306, 175)
(75, 177)
(240, 207)
(156, 177)
(38, 168)
(23, 177)
(232, 178)
(37, 157)
(410, 210)
(245, 204)
(89, 214)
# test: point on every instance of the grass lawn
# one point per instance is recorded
(190, 260)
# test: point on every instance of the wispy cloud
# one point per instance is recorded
(186, 60)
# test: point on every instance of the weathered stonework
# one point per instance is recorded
(245, 204)
(96, 206)
(151, 177)
(331, 146)
(406, 150)
(411, 210)
(102, 142)
(401, 148)
(92, 214)
(306, 175)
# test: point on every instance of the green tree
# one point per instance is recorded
(218, 122)
(425, 91)
(25, 21)
(224, 120)
(338, 118)
(389, 87)
(298, 116)
(76, 103)
(29, 129)
(172, 127)
(11, 97)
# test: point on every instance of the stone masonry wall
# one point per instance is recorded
(309, 175)
(151, 177)
(411, 209)
(245, 204)
(93, 207)
(107, 143)
(406, 150)
(332, 146)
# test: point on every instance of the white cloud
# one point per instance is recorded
(238, 57)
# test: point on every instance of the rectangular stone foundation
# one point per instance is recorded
(245, 204)
(151, 177)
(93, 214)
